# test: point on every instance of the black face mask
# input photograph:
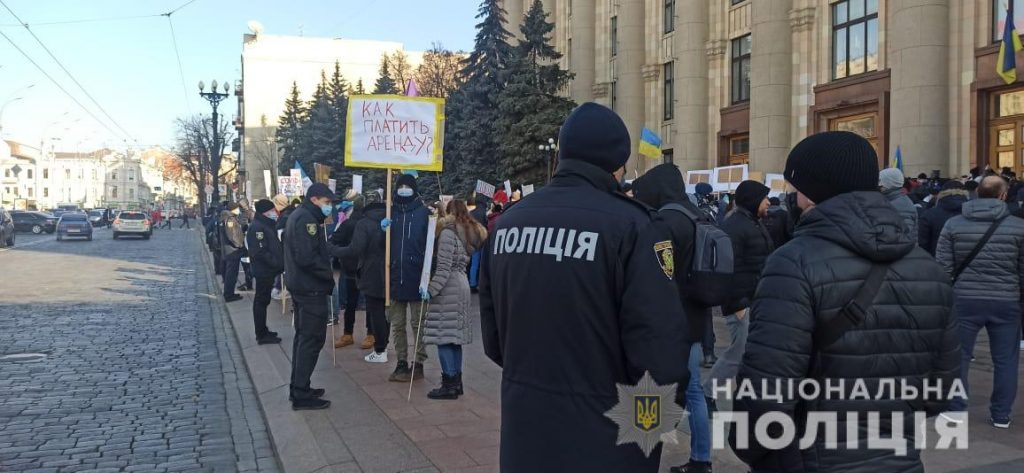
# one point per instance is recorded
(794, 210)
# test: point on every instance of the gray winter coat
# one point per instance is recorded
(449, 317)
(997, 272)
(904, 206)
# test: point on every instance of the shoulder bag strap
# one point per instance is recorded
(854, 312)
(977, 249)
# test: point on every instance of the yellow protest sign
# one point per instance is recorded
(394, 132)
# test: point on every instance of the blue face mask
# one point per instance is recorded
(326, 209)
(271, 215)
(405, 192)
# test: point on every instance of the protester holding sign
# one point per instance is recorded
(408, 242)
(447, 323)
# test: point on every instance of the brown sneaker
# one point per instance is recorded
(368, 342)
(344, 341)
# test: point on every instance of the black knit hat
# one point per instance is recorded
(750, 194)
(407, 180)
(263, 205)
(595, 134)
(827, 164)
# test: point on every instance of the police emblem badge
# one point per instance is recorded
(665, 258)
(259, 235)
(640, 412)
(311, 228)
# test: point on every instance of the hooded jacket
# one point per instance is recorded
(997, 272)
(909, 333)
(366, 248)
(307, 262)
(409, 218)
(573, 300)
(905, 207)
(343, 237)
(449, 316)
(265, 250)
(663, 185)
(929, 226)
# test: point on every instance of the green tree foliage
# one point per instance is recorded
(385, 83)
(289, 137)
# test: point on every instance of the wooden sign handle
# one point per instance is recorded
(387, 247)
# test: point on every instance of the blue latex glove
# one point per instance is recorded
(424, 294)
(385, 223)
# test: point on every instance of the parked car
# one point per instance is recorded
(97, 217)
(6, 229)
(132, 223)
(35, 222)
(74, 224)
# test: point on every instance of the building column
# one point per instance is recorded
(770, 85)
(629, 64)
(514, 16)
(581, 51)
(690, 145)
(919, 57)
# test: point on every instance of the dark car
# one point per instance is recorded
(35, 222)
(6, 229)
(74, 224)
(98, 217)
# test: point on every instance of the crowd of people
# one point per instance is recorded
(858, 274)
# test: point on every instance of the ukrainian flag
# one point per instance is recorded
(897, 162)
(1006, 64)
(650, 144)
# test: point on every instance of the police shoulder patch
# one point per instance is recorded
(311, 229)
(663, 250)
(259, 235)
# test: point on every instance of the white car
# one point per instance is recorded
(132, 223)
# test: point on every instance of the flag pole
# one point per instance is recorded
(387, 246)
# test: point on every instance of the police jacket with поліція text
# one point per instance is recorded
(307, 262)
(574, 299)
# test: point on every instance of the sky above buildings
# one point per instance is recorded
(122, 53)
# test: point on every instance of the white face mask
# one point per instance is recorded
(405, 192)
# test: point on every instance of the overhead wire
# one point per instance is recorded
(84, 20)
(181, 70)
(66, 71)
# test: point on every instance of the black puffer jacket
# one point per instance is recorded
(751, 245)
(910, 334)
(930, 224)
(367, 247)
(343, 237)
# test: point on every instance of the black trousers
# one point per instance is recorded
(184, 223)
(311, 312)
(260, 301)
(352, 298)
(379, 321)
(247, 269)
(231, 262)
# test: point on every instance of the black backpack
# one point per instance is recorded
(710, 274)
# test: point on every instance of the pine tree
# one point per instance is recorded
(289, 136)
(530, 107)
(471, 137)
(337, 97)
(320, 130)
(359, 88)
(385, 84)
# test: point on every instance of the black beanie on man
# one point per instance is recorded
(750, 194)
(827, 164)
(263, 205)
(595, 134)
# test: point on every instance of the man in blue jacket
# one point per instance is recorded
(408, 242)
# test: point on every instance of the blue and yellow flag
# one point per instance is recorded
(897, 162)
(650, 144)
(1006, 64)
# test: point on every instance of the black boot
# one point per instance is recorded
(457, 383)
(447, 390)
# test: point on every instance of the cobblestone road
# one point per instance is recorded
(138, 372)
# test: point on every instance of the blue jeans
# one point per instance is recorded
(450, 356)
(1002, 321)
(699, 420)
(474, 268)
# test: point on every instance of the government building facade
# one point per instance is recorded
(742, 81)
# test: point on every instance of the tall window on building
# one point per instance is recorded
(113, 191)
(737, 2)
(739, 150)
(131, 193)
(46, 192)
(669, 91)
(113, 175)
(999, 17)
(670, 16)
(67, 174)
(30, 174)
(46, 173)
(741, 69)
(7, 173)
(614, 35)
(667, 157)
(854, 37)
(30, 192)
(131, 174)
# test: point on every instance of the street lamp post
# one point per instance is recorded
(214, 98)
(551, 147)
(11, 99)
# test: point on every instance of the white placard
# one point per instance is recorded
(508, 187)
(394, 132)
(332, 184)
(728, 178)
(428, 254)
(223, 189)
(357, 183)
(268, 179)
(295, 174)
(445, 199)
(289, 186)
(776, 184)
(696, 177)
(527, 189)
(484, 188)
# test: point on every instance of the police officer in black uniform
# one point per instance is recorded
(267, 260)
(310, 279)
(574, 298)
(232, 242)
